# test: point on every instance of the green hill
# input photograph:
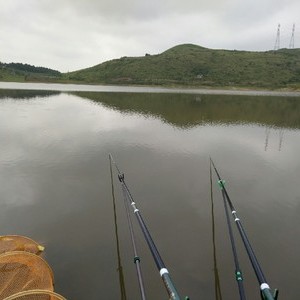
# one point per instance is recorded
(25, 72)
(184, 65)
(191, 65)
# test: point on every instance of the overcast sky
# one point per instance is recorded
(69, 35)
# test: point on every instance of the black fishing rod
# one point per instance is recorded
(218, 293)
(163, 271)
(136, 258)
(264, 286)
(238, 271)
(120, 268)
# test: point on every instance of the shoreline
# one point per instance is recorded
(72, 87)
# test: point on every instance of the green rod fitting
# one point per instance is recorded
(221, 183)
(239, 276)
(136, 258)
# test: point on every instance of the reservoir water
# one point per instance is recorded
(55, 185)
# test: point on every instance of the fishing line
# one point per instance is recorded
(264, 286)
(120, 268)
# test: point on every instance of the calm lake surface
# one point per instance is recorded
(55, 186)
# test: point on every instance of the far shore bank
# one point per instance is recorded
(71, 87)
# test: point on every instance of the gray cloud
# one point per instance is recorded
(73, 34)
(134, 9)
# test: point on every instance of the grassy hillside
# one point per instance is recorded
(197, 66)
(24, 72)
(183, 65)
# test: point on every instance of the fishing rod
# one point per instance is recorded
(120, 268)
(136, 259)
(163, 271)
(136, 256)
(238, 272)
(218, 293)
(265, 289)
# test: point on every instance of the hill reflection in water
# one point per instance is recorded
(186, 110)
(26, 94)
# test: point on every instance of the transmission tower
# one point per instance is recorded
(292, 41)
(277, 42)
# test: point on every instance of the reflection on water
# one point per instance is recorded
(55, 186)
(191, 110)
(278, 136)
(25, 94)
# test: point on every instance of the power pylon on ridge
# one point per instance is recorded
(292, 41)
(277, 42)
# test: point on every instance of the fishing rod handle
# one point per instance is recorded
(266, 293)
(169, 285)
